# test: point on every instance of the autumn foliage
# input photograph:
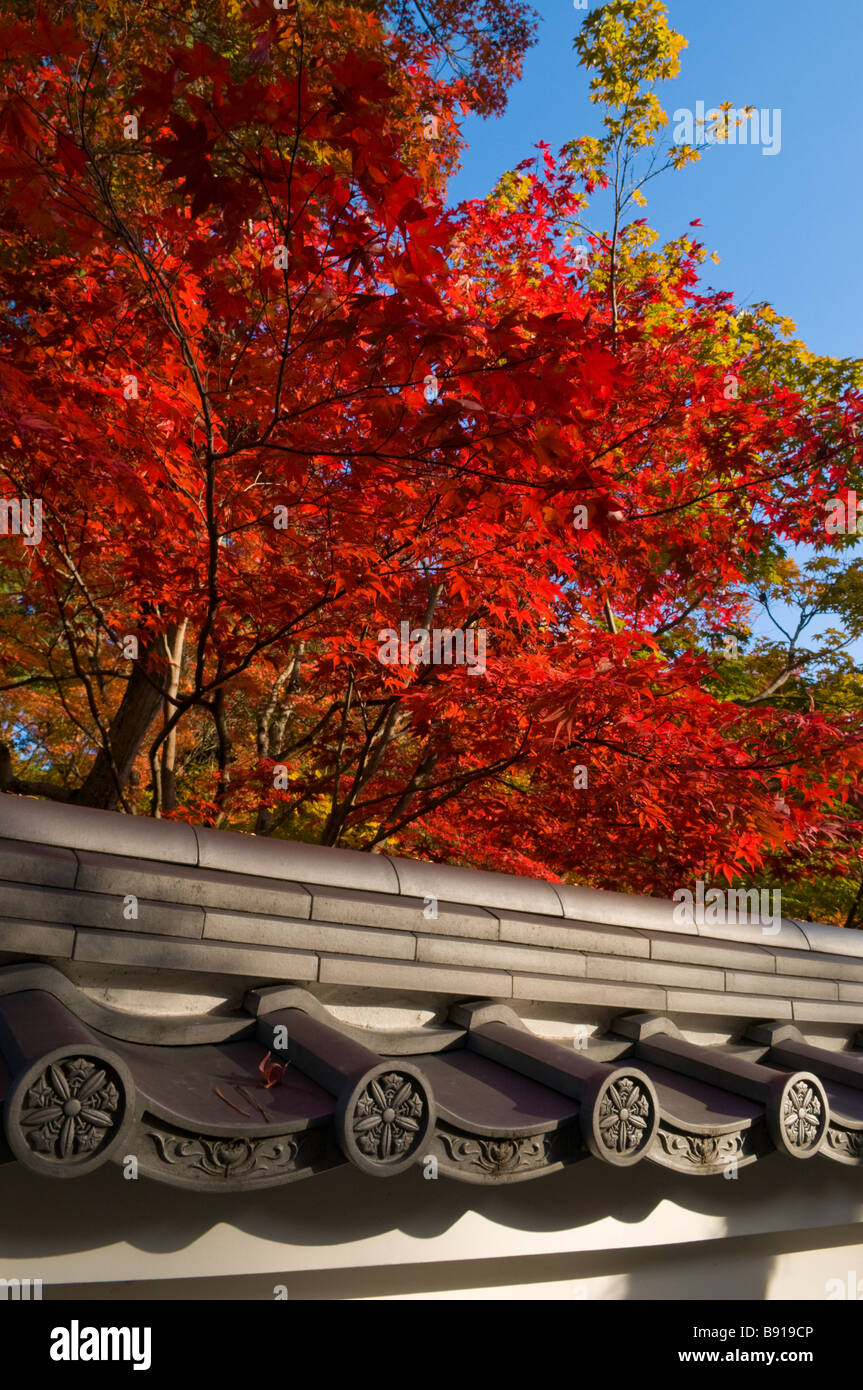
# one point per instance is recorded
(276, 396)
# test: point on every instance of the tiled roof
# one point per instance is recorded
(476, 1090)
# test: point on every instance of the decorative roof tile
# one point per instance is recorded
(275, 1085)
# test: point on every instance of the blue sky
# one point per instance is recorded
(786, 226)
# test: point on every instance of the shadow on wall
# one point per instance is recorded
(590, 1230)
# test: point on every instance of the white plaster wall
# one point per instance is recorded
(782, 1229)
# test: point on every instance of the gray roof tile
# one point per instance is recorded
(545, 989)
(685, 1001)
(293, 861)
(401, 913)
(158, 952)
(854, 992)
(783, 933)
(81, 827)
(818, 963)
(826, 1011)
(32, 938)
(118, 874)
(787, 986)
(654, 972)
(700, 950)
(499, 956)
(573, 936)
(617, 909)
(500, 1080)
(22, 862)
(441, 928)
(452, 980)
(99, 910)
(309, 936)
(828, 940)
(477, 887)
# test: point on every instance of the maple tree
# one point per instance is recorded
(277, 398)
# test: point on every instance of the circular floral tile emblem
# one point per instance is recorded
(804, 1116)
(621, 1122)
(386, 1119)
(624, 1115)
(68, 1112)
(72, 1109)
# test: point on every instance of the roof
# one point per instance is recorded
(700, 1046)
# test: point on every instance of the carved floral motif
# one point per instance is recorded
(624, 1115)
(72, 1109)
(802, 1115)
(253, 1158)
(498, 1157)
(702, 1150)
(848, 1142)
(388, 1118)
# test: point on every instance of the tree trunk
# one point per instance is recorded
(141, 702)
(169, 747)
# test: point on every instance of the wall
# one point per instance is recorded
(782, 1229)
